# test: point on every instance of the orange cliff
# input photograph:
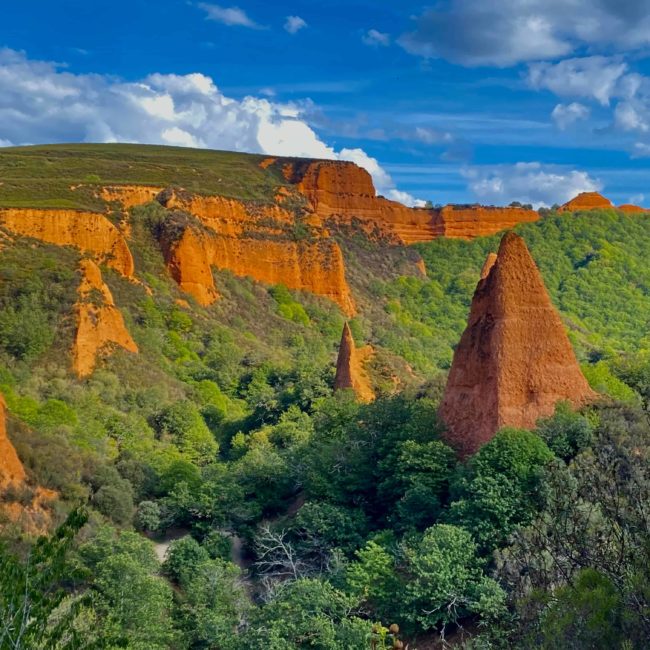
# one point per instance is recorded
(12, 472)
(350, 370)
(87, 231)
(344, 192)
(514, 361)
(467, 222)
(99, 322)
(248, 240)
(315, 266)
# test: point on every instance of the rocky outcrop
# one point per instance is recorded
(514, 361)
(12, 472)
(467, 222)
(628, 208)
(89, 232)
(129, 195)
(344, 192)
(316, 266)
(586, 201)
(100, 325)
(350, 370)
(490, 261)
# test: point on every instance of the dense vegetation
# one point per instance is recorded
(300, 519)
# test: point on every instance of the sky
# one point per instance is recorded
(454, 101)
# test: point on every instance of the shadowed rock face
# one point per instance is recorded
(350, 373)
(514, 361)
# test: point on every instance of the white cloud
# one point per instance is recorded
(641, 150)
(592, 77)
(41, 103)
(374, 37)
(628, 118)
(565, 115)
(530, 182)
(5, 143)
(231, 16)
(294, 24)
(508, 32)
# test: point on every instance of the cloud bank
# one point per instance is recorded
(528, 182)
(41, 102)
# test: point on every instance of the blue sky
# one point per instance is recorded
(451, 101)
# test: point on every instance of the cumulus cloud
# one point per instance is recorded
(231, 16)
(592, 76)
(508, 32)
(528, 182)
(374, 38)
(42, 103)
(294, 24)
(641, 150)
(565, 115)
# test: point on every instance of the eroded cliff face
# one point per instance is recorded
(31, 512)
(89, 232)
(100, 325)
(12, 472)
(467, 222)
(586, 201)
(514, 361)
(344, 192)
(315, 266)
(350, 369)
(248, 240)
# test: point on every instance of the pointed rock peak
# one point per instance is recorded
(586, 201)
(514, 361)
(490, 261)
(350, 371)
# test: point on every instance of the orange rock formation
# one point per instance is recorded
(350, 371)
(87, 231)
(628, 208)
(129, 195)
(99, 322)
(344, 192)
(514, 361)
(12, 472)
(467, 222)
(490, 261)
(586, 201)
(315, 266)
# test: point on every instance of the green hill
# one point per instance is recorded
(225, 428)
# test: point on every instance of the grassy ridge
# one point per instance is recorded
(42, 176)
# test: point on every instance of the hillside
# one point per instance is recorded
(169, 327)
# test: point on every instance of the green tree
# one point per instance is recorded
(32, 592)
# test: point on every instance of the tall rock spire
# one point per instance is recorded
(514, 361)
(350, 372)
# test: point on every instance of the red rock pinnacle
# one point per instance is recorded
(350, 372)
(514, 361)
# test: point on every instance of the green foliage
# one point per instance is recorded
(601, 379)
(305, 612)
(566, 432)
(446, 581)
(182, 423)
(32, 592)
(288, 307)
(182, 559)
(584, 615)
(147, 517)
(497, 490)
(213, 605)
